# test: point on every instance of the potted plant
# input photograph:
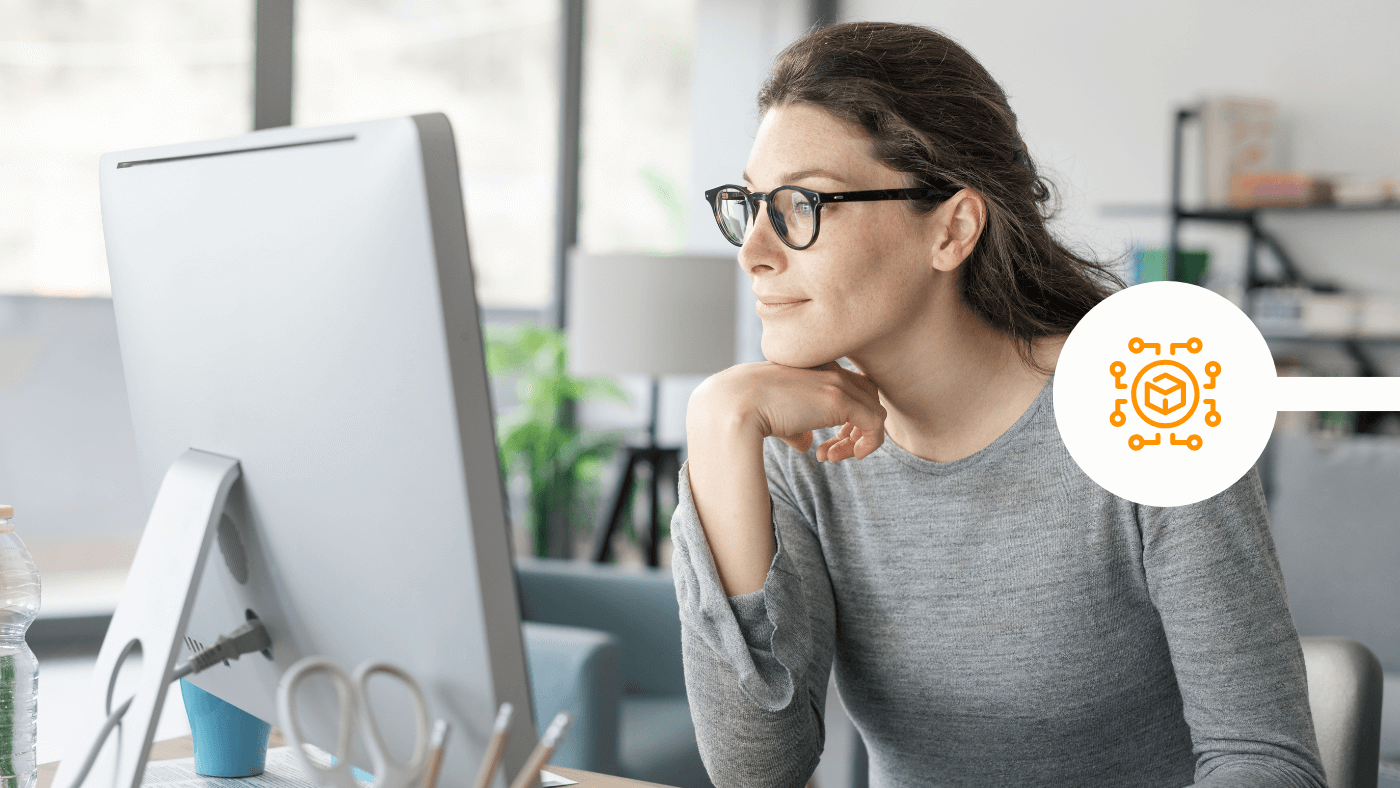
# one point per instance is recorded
(560, 460)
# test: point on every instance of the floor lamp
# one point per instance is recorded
(648, 315)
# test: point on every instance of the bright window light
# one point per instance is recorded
(492, 68)
(80, 79)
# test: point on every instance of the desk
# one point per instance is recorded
(183, 747)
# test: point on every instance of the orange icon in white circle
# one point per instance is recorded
(1165, 393)
(1103, 400)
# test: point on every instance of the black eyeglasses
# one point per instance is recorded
(795, 212)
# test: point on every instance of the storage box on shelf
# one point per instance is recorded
(1300, 312)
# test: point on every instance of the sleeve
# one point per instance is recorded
(756, 665)
(1214, 577)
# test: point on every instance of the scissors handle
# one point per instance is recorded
(388, 772)
(338, 774)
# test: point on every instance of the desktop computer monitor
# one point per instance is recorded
(301, 300)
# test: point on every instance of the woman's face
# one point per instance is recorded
(870, 273)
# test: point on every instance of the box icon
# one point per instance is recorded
(1165, 393)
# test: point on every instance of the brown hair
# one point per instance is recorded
(933, 112)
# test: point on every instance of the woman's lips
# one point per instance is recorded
(778, 307)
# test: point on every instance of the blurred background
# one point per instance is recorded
(1277, 124)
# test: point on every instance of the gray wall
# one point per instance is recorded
(67, 453)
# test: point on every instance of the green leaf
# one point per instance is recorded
(562, 464)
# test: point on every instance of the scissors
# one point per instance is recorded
(354, 707)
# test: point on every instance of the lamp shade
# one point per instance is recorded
(641, 314)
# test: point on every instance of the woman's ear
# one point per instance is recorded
(957, 224)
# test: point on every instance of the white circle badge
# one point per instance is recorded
(1164, 394)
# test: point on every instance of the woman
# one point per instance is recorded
(993, 616)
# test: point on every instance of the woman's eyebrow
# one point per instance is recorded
(815, 173)
(800, 174)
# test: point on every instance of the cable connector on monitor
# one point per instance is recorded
(247, 639)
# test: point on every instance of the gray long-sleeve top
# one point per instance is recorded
(999, 620)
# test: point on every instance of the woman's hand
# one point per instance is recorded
(789, 403)
(729, 416)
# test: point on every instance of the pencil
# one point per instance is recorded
(529, 776)
(437, 744)
(496, 747)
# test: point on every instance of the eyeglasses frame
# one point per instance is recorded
(818, 199)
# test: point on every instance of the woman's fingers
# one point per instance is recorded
(858, 403)
(867, 443)
(861, 441)
(824, 451)
(850, 441)
(840, 443)
(790, 404)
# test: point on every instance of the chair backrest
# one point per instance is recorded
(1345, 683)
(636, 605)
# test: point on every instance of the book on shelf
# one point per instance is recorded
(1237, 137)
(1284, 188)
(1274, 188)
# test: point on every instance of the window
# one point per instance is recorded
(492, 67)
(79, 79)
(635, 179)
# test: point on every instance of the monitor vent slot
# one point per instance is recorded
(124, 164)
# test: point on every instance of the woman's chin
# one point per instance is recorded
(802, 358)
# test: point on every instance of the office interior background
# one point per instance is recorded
(666, 111)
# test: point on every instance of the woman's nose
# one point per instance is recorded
(761, 248)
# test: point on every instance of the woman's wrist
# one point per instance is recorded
(721, 407)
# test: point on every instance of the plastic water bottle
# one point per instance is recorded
(19, 670)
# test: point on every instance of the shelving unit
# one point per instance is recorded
(1260, 237)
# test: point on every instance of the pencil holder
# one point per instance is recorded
(228, 741)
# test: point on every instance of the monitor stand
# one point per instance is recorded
(152, 615)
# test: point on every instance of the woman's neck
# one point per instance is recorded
(953, 385)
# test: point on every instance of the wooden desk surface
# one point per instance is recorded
(183, 747)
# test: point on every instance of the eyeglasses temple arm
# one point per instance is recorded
(883, 194)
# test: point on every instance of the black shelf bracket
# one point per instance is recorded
(1174, 243)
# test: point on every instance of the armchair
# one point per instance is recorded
(578, 615)
(576, 669)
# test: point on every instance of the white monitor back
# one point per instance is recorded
(302, 300)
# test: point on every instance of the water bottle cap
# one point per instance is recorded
(6, 511)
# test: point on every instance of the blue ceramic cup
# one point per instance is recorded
(228, 741)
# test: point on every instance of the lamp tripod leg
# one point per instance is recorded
(654, 498)
(603, 533)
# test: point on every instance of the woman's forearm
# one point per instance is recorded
(730, 490)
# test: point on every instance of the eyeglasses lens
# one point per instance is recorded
(794, 215)
(732, 213)
(797, 216)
